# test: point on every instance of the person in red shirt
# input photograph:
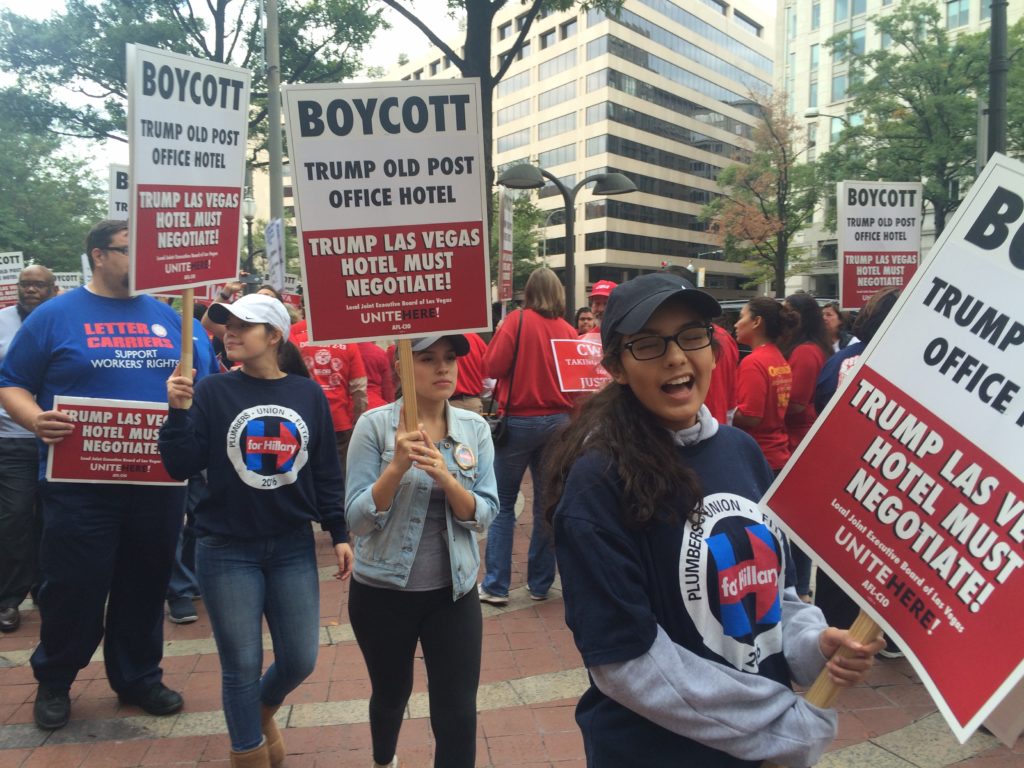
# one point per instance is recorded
(765, 379)
(380, 387)
(339, 370)
(470, 384)
(806, 346)
(721, 397)
(536, 409)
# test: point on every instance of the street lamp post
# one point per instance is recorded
(248, 213)
(526, 176)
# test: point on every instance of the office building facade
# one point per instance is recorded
(660, 93)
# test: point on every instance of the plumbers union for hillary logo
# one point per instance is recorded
(268, 445)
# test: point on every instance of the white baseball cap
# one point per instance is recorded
(254, 308)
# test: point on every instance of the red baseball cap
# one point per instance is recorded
(603, 288)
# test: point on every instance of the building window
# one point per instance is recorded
(514, 83)
(858, 42)
(524, 51)
(839, 84)
(566, 154)
(815, 14)
(842, 10)
(435, 66)
(569, 28)
(555, 126)
(513, 140)
(505, 30)
(546, 39)
(716, 5)
(556, 95)
(859, 7)
(749, 25)
(513, 112)
(986, 10)
(521, 21)
(812, 142)
(836, 129)
(558, 64)
(957, 13)
(790, 22)
(812, 93)
(815, 58)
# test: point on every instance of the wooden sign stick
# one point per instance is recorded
(823, 692)
(412, 416)
(187, 307)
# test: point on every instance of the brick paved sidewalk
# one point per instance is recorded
(531, 679)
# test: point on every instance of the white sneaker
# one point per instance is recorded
(392, 764)
(487, 597)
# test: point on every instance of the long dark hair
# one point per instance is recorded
(778, 319)
(616, 425)
(811, 328)
(289, 359)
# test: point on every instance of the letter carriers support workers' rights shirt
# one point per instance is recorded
(715, 588)
(86, 345)
(269, 450)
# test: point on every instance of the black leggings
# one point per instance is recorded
(387, 624)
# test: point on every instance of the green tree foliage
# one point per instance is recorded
(767, 200)
(48, 201)
(913, 114)
(80, 52)
(478, 59)
(527, 219)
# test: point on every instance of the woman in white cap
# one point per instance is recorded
(265, 439)
(416, 500)
(673, 578)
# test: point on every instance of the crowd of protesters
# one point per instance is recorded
(274, 432)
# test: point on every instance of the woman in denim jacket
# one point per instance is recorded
(415, 501)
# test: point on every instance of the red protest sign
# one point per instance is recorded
(8, 294)
(865, 274)
(187, 122)
(410, 280)
(578, 363)
(114, 441)
(393, 234)
(920, 514)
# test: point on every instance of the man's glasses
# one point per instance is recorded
(119, 248)
(689, 339)
(39, 285)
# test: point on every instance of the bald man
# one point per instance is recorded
(19, 467)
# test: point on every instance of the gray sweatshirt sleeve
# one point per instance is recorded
(802, 625)
(749, 717)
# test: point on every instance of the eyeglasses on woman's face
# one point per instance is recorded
(689, 339)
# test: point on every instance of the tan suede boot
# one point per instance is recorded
(251, 758)
(271, 735)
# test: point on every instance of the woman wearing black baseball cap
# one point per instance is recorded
(673, 578)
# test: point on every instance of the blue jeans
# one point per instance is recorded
(183, 575)
(527, 438)
(243, 581)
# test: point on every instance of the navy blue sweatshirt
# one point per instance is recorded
(269, 450)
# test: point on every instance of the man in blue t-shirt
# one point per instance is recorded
(105, 547)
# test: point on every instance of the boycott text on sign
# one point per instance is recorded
(879, 232)
(118, 193)
(921, 516)
(187, 122)
(392, 220)
(114, 441)
(578, 363)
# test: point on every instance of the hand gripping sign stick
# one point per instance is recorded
(187, 309)
(823, 692)
(408, 375)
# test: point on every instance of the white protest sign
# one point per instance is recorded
(879, 234)
(187, 122)
(68, 281)
(391, 208)
(920, 516)
(11, 265)
(118, 192)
